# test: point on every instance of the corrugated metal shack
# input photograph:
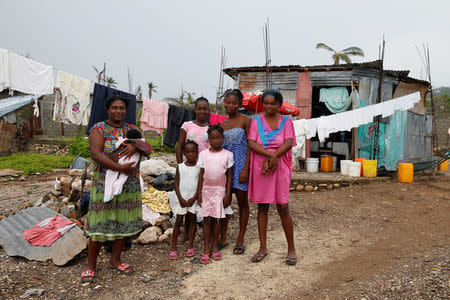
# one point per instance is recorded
(405, 135)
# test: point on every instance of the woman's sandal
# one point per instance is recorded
(217, 256)
(190, 252)
(124, 268)
(239, 249)
(204, 259)
(258, 257)
(173, 255)
(291, 260)
(87, 275)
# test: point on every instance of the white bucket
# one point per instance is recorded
(334, 163)
(344, 166)
(312, 165)
(354, 169)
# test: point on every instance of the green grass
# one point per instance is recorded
(31, 163)
(157, 148)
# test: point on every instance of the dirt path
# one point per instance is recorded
(385, 240)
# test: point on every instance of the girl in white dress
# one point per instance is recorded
(184, 199)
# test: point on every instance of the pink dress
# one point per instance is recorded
(215, 165)
(197, 134)
(273, 188)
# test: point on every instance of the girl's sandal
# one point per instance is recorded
(217, 256)
(87, 275)
(258, 257)
(173, 255)
(204, 259)
(190, 252)
(291, 260)
(124, 268)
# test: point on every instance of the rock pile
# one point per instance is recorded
(48, 149)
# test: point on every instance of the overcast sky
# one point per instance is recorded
(177, 43)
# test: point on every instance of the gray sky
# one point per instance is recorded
(177, 43)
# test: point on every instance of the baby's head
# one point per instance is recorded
(133, 134)
(190, 150)
(215, 136)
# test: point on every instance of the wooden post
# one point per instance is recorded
(354, 146)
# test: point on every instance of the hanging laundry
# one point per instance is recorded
(301, 131)
(154, 115)
(11, 104)
(176, 117)
(72, 99)
(4, 69)
(29, 76)
(98, 112)
(336, 99)
(216, 119)
(46, 232)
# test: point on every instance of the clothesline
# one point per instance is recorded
(345, 121)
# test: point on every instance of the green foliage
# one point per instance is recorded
(80, 146)
(31, 163)
(156, 145)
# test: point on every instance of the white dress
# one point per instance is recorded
(188, 187)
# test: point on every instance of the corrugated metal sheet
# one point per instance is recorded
(417, 144)
(11, 104)
(257, 81)
(331, 78)
(60, 252)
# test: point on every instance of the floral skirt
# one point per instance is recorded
(118, 218)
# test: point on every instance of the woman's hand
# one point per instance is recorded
(273, 164)
(190, 201)
(243, 177)
(199, 199)
(128, 168)
(128, 151)
(183, 203)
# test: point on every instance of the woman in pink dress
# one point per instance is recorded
(271, 138)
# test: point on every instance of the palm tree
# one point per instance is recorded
(342, 54)
(151, 89)
(110, 82)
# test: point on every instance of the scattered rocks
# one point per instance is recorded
(26, 204)
(76, 172)
(148, 236)
(32, 292)
(187, 271)
(315, 188)
(68, 210)
(309, 188)
(299, 187)
(162, 238)
(169, 232)
(336, 185)
(330, 186)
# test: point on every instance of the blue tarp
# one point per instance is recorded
(11, 104)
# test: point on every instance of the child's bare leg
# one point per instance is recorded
(176, 231)
(288, 227)
(192, 229)
(263, 216)
(223, 227)
(215, 233)
(206, 234)
(187, 225)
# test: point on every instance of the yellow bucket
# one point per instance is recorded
(369, 168)
(443, 166)
(405, 172)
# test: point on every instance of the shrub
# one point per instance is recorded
(80, 146)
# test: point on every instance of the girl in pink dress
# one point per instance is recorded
(271, 137)
(215, 195)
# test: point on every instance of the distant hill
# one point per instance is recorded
(442, 90)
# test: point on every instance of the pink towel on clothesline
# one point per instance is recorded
(154, 115)
(216, 119)
(48, 231)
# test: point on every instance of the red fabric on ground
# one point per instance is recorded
(45, 233)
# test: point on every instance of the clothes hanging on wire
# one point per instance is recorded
(215, 119)
(301, 131)
(347, 120)
(29, 76)
(154, 115)
(72, 99)
(98, 111)
(336, 99)
(176, 117)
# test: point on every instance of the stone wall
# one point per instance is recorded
(443, 125)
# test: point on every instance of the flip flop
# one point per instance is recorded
(124, 268)
(217, 256)
(190, 252)
(222, 246)
(204, 259)
(237, 248)
(291, 260)
(87, 275)
(258, 257)
(173, 255)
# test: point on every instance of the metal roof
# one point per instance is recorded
(12, 104)
(60, 252)
(233, 72)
